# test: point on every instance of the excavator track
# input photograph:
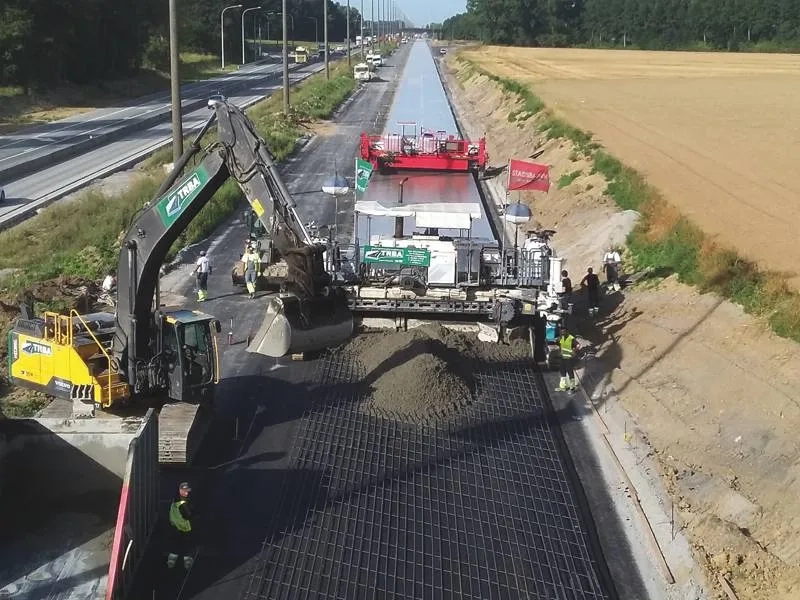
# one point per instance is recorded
(181, 428)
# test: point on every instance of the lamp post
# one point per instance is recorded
(517, 214)
(175, 83)
(244, 12)
(222, 29)
(325, 33)
(348, 34)
(336, 186)
(285, 52)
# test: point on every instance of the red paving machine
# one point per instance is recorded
(429, 150)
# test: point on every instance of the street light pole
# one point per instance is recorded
(244, 12)
(284, 19)
(325, 30)
(348, 36)
(175, 83)
(222, 29)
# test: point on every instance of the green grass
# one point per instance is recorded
(80, 237)
(664, 242)
(568, 178)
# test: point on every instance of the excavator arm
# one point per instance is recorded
(311, 315)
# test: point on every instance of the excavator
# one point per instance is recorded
(148, 353)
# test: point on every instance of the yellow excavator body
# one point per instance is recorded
(67, 356)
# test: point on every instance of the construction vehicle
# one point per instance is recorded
(149, 352)
(429, 150)
(301, 54)
(362, 72)
(451, 267)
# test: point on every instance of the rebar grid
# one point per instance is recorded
(477, 507)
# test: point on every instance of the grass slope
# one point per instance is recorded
(664, 242)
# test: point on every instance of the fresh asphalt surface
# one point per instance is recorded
(266, 396)
(236, 482)
(50, 183)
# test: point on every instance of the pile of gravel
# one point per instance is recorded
(426, 374)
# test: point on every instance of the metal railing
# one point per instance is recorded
(62, 329)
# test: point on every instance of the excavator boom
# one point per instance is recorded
(310, 314)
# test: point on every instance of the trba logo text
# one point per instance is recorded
(384, 254)
(36, 348)
(175, 203)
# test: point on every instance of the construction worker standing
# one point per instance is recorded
(592, 284)
(202, 269)
(569, 347)
(181, 534)
(611, 263)
(252, 266)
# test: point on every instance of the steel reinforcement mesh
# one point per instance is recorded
(376, 508)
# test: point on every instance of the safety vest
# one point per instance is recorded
(176, 518)
(566, 346)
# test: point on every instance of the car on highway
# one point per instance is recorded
(442, 50)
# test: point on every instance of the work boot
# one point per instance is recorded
(171, 560)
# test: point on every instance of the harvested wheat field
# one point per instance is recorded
(716, 133)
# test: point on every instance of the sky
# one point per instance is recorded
(421, 12)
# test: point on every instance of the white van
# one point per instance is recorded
(362, 72)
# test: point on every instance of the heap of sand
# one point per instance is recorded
(426, 374)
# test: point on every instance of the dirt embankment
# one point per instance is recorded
(709, 388)
(426, 374)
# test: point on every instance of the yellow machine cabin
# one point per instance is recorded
(70, 356)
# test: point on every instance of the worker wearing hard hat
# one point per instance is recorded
(180, 521)
(252, 265)
(569, 348)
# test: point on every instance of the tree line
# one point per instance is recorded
(647, 24)
(44, 43)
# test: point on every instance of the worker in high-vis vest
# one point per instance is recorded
(569, 347)
(252, 265)
(180, 520)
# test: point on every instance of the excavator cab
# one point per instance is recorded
(188, 345)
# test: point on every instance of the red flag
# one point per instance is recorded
(524, 175)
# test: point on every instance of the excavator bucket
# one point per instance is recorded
(286, 331)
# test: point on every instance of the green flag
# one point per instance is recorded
(363, 173)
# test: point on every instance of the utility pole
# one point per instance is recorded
(362, 29)
(325, 29)
(175, 82)
(372, 26)
(285, 60)
(348, 34)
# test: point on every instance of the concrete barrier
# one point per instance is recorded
(60, 482)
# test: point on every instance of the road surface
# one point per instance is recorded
(29, 193)
(29, 143)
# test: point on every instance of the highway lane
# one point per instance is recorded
(26, 195)
(29, 143)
